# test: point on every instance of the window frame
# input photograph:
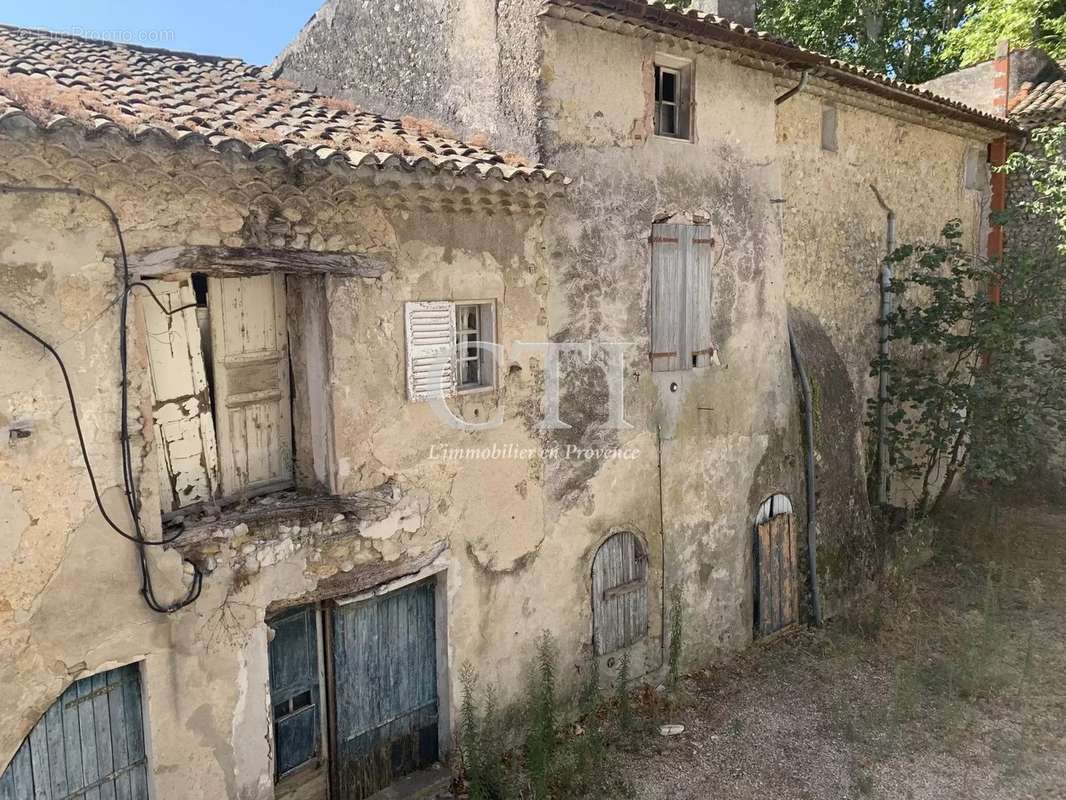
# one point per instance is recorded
(684, 104)
(485, 330)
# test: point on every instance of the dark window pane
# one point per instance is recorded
(297, 739)
(669, 87)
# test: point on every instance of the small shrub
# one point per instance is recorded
(542, 736)
(623, 702)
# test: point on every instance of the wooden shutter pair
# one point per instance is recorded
(430, 349)
(681, 297)
(232, 433)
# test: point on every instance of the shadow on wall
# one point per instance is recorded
(849, 554)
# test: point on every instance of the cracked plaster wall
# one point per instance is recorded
(69, 603)
(729, 434)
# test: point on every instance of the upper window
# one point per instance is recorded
(673, 100)
(219, 364)
(681, 259)
(829, 128)
(449, 348)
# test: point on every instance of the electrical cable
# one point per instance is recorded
(128, 473)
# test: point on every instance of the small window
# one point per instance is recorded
(446, 348)
(681, 261)
(294, 690)
(619, 593)
(975, 169)
(473, 362)
(673, 101)
(829, 128)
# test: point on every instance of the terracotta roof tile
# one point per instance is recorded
(1041, 104)
(55, 79)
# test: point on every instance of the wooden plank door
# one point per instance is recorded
(250, 353)
(89, 745)
(619, 593)
(384, 684)
(776, 574)
(181, 409)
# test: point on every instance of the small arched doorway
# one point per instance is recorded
(776, 567)
(619, 593)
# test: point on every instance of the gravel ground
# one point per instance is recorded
(951, 683)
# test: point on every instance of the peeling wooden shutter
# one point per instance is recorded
(430, 349)
(89, 744)
(184, 427)
(619, 593)
(249, 344)
(776, 574)
(698, 245)
(668, 348)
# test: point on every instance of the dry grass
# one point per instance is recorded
(43, 99)
(426, 127)
(947, 684)
(340, 104)
(390, 143)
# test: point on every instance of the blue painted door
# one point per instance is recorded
(294, 692)
(385, 689)
(89, 745)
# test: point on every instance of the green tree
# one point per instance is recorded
(1021, 22)
(901, 38)
(975, 381)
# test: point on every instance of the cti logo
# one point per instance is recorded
(613, 368)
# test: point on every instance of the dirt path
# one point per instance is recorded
(950, 684)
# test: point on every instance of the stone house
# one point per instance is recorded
(345, 478)
(784, 163)
(279, 247)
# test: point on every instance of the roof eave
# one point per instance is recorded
(692, 25)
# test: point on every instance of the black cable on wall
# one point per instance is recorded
(129, 481)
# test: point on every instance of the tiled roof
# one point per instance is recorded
(57, 80)
(1042, 104)
(707, 27)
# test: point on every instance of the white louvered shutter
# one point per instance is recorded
(181, 403)
(430, 349)
(698, 245)
(668, 311)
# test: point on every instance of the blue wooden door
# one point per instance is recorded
(385, 689)
(88, 746)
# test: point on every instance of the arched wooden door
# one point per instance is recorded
(776, 569)
(619, 593)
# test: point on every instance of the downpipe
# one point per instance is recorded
(882, 378)
(808, 468)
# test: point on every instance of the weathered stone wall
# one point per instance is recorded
(470, 65)
(727, 436)
(834, 234)
(69, 602)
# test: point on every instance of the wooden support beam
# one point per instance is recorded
(229, 262)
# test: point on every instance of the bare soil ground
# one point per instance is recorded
(949, 683)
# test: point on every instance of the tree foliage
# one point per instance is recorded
(901, 38)
(1021, 22)
(975, 380)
